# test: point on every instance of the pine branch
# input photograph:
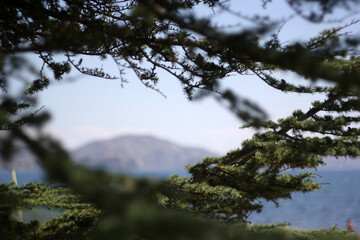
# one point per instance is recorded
(248, 153)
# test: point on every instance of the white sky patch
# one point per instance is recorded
(218, 141)
(221, 140)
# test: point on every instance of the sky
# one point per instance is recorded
(85, 109)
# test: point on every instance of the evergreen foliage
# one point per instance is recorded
(232, 186)
(75, 221)
(148, 35)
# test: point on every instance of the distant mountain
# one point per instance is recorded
(22, 160)
(138, 153)
(133, 152)
(125, 152)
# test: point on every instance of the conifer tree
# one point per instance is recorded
(168, 36)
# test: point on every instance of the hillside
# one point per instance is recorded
(22, 160)
(148, 153)
(138, 153)
(123, 153)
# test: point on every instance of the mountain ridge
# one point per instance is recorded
(144, 152)
(125, 152)
(138, 152)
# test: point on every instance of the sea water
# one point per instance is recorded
(337, 201)
(333, 205)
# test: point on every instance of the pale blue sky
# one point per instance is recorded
(89, 109)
